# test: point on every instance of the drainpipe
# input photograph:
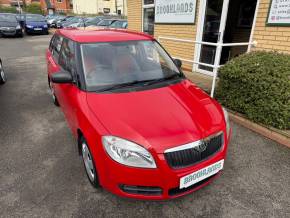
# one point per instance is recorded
(19, 8)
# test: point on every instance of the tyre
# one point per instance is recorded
(89, 163)
(54, 99)
(2, 74)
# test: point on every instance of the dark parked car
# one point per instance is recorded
(60, 21)
(73, 22)
(2, 74)
(35, 23)
(51, 20)
(9, 26)
(93, 21)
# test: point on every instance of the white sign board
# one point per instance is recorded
(175, 11)
(279, 13)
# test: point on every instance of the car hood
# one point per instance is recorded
(159, 118)
(34, 23)
(8, 24)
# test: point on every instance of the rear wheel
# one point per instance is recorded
(52, 93)
(89, 163)
(2, 74)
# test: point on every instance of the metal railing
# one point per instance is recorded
(218, 45)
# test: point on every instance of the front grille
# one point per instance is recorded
(178, 191)
(200, 151)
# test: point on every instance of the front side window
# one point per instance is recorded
(67, 56)
(115, 63)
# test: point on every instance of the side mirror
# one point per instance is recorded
(178, 63)
(62, 77)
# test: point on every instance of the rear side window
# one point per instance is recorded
(67, 56)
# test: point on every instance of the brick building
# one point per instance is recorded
(56, 6)
(205, 34)
(15, 2)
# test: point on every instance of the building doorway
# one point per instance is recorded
(148, 17)
(225, 28)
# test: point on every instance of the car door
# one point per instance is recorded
(67, 94)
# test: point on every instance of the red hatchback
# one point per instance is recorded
(143, 129)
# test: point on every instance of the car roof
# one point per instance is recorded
(102, 35)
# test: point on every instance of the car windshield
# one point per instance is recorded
(35, 18)
(105, 22)
(119, 24)
(93, 21)
(7, 18)
(115, 63)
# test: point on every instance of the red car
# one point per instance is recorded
(143, 129)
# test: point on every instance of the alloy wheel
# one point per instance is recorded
(88, 161)
(2, 74)
(51, 91)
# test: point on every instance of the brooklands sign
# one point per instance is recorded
(175, 11)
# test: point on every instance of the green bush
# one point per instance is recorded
(4, 9)
(258, 85)
(33, 8)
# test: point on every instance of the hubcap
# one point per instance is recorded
(52, 91)
(87, 157)
(2, 73)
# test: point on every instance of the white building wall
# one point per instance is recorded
(95, 6)
(85, 6)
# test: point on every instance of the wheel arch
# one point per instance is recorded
(79, 135)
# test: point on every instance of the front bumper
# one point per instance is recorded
(11, 32)
(33, 30)
(154, 184)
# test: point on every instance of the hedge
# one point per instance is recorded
(33, 8)
(257, 85)
(4, 9)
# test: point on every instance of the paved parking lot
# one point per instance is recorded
(41, 174)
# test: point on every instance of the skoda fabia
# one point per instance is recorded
(143, 129)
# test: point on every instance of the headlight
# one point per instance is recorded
(44, 26)
(227, 119)
(128, 153)
(29, 26)
(18, 27)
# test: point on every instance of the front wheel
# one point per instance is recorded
(52, 93)
(2, 74)
(89, 163)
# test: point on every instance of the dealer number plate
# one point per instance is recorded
(200, 175)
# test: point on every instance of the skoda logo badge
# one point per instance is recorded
(201, 147)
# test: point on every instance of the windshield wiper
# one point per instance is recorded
(154, 81)
(122, 85)
(142, 82)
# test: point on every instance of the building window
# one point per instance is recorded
(148, 16)
(106, 10)
(148, 2)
